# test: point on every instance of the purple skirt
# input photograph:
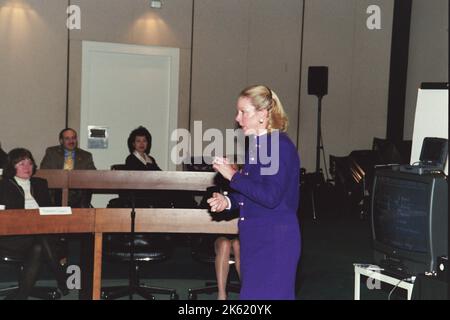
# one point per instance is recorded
(270, 252)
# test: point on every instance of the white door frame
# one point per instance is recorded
(89, 47)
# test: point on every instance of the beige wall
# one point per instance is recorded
(428, 52)
(355, 109)
(243, 42)
(235, 43)
(132, 22)
(33, 52)
(219, 67)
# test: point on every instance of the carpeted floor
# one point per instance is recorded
(330, 246)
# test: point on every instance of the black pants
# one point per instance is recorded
(34, 251)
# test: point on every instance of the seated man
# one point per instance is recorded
(68, 156)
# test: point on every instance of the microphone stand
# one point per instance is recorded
(134, 287)
(132, 266)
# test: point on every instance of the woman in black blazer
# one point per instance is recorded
(139, 144)
(20, 190)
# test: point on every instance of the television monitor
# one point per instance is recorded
(409, 216)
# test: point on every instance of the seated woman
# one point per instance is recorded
(139, 144)
(19, 190)
(224, 247)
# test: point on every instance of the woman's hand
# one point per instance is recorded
(217, 202)
(223, 166)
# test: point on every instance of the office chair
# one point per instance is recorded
(203, 245)
(148, 248)
(40, 292)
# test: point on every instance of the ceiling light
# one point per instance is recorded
(156, 4)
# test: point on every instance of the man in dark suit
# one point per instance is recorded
(68, 156)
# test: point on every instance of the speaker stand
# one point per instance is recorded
(319, 145)
(318, 179)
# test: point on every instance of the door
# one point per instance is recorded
(125, 86)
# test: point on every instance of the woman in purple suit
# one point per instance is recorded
(266, 191)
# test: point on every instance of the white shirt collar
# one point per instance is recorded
(146, 159)
(262, 132)
(21, 181)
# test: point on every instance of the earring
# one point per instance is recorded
(261, 120)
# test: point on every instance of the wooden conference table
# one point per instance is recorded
(99, 221)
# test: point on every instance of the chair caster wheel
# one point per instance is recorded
(174, 296)
(192, 296)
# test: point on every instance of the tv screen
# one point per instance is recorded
(402, 213)
(409, 214)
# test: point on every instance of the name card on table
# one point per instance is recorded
(49, 211)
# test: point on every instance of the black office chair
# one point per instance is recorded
(148, 248)
(202, 246)
(40, 292)
(349, 182)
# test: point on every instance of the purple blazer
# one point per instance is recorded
(267, 197)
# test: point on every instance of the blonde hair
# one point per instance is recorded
(263, 98)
